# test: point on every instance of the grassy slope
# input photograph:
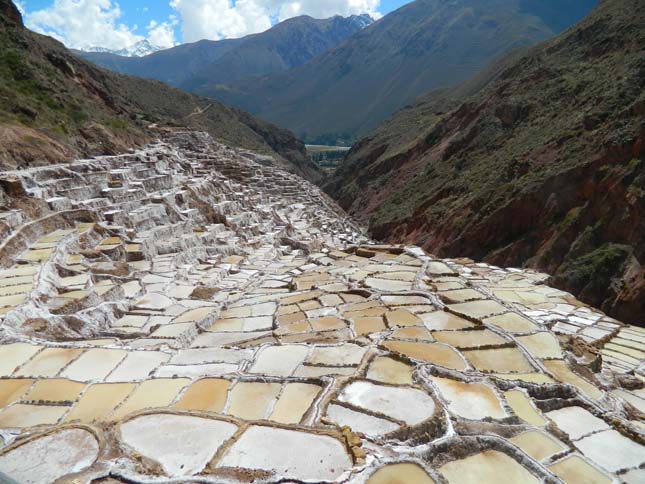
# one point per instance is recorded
(542, 165)
(425, 45)
(55, 106)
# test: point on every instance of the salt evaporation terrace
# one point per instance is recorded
(189, 313)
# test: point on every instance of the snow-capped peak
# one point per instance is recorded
(140, 49)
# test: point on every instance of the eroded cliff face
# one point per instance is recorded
(543, 167)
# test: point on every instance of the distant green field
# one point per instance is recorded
(327, 157)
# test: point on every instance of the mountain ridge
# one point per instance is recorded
(188, 65)
(424, 45)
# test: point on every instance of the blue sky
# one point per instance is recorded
(118, 24)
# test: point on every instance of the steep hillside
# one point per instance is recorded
(543, 165)
(289, 44)
(55, 106)
(425, 45)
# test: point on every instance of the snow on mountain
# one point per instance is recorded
(140, 49)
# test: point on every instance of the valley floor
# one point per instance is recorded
(189, 313)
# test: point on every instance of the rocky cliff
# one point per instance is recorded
(541, 165)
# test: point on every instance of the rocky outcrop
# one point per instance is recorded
(9, 14)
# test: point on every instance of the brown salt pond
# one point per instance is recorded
(440, 320)
(436, 353)
(154, 393)
(561, 371)
(541, 345)
(208, 395)
(252, 400)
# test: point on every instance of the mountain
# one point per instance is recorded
(424, 45)
(288, 44)
(55, 106)
(139, 49)
(172, 66)
(537, 161)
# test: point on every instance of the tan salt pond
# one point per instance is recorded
(440, 320)
(470, 400)
(575, 470)
(436, 353)
(461, 295)
(512, 323)
(561, 371)
(252, 400)
(413, 332)
(365, 326)
(487, 467)
(541, 345)
(503, 360)
(538, 445)
(469, 339)
(98, 402)
(404, 473)
(402, 317)
(389, 370)
(55, 390)
(15, 354)
(155, 393)
(478, 309)
(208, 395)
(49, 362)
(12, 390)
(24, 416)
(295, 400)
(524, 408)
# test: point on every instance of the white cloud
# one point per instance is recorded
(218, 19)
(162, 34)
(98, 23)
(94, 23)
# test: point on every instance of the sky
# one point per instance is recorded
(118, 24)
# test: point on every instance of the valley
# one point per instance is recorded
(429, 270)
